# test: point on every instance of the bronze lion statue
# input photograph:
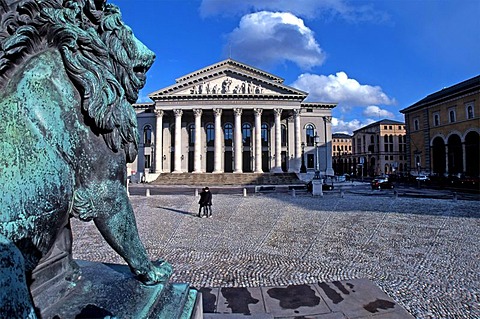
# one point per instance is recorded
(69, 72)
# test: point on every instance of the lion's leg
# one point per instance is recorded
(120, 230)
(15, 300)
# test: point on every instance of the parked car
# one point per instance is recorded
(422, 178)
(382, 183)
(325, 186)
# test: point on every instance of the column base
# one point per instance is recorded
(177, 172)
(277, 170)
(217, 172)
(238, 172)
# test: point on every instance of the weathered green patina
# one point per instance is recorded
(69, 71)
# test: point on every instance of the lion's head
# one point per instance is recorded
(102, 57)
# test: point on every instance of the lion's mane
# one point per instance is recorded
(97, 52)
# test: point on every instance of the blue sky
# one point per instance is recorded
(373, 58)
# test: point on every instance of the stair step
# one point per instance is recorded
(227, 179)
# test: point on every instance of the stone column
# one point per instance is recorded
(278, 141)
(177, 165)
(258, 140)
(158, 141)
(298, 140)
(446, 160)
(217, 151)
(327, 121)
(197, 148)
(238, 141)
(464, 157)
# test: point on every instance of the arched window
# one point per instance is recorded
(228, 134)
(191, 134)
(451, 115)
(284, 134)
(264, 134)
(147, 135)
(309, 134)
(246, 134)
(416, 125)
(210, 134)
(470, 114)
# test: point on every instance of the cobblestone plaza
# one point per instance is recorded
(424, 253)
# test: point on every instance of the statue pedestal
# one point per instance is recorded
(111, 290)
(317, 187)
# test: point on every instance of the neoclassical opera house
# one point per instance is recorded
(230, 117)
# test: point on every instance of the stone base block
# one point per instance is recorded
(110, 290)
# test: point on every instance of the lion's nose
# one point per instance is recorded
(145, 55)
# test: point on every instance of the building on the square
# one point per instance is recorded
(342, 154)
(380, 148)
(231, 117)
(443, 131)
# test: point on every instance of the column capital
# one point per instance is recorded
(178, 112)
(217, 112)
(197, 112)
(296, 112)
(158, 113)
(258, 111)
(327, 119)
(237, 111)
(278, 112)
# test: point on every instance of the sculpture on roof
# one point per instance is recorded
(69, 72)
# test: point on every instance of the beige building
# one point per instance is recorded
(380, 148)
(443, 131)
(342, 154)
(231, 117)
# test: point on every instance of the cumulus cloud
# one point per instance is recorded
(262, 35)
(342, 126)
(302, 8)
(375, 111)
(341, 89)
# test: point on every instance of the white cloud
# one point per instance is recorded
(339, 88)
(341, 126)
(266, 38)
(375, 111)
(302, 8)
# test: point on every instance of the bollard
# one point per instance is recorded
(293, 192)
(395, 194)
(342, 194)
(196, 192)
(244, 192)
(455, 196)
(147, 193)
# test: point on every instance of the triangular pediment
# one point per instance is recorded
(228, 78)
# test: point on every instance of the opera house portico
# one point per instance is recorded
(231, 117)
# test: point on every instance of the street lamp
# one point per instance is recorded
(316, 139)
(303, 168)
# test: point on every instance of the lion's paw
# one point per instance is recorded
(159, 273)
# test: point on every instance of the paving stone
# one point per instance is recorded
(423, 253)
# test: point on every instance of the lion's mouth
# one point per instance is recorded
(140, 73)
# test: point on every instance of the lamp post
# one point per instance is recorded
(316, 139)
(303, 168)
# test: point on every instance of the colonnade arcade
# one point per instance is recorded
(218, 140)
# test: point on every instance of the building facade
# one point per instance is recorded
(342, 154)
(231, 117)
(380, 148)
(443, 131)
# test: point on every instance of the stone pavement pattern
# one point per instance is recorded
(423, 253)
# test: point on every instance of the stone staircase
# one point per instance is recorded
(231, 179)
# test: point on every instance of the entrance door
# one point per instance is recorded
(228, 164)
(247, 161)
(265, 162)
(284, 161)
(210, 160)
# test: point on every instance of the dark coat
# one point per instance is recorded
(208, 199)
